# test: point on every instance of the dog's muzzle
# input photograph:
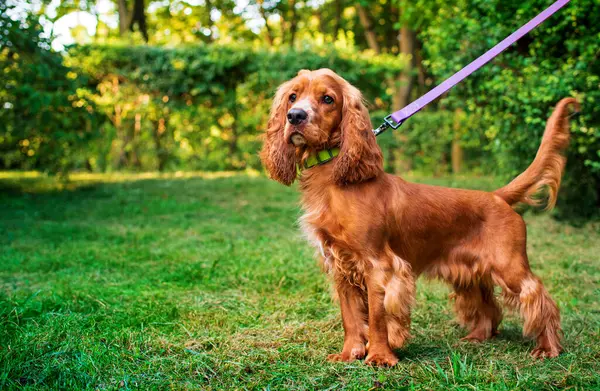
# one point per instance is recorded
(297, 139)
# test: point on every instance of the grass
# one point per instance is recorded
(203, 282)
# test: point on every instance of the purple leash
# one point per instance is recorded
(396, 119)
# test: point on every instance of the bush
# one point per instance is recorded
(509, 102)
(45, 119)
(205, 106)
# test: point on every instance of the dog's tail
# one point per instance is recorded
(547, 167)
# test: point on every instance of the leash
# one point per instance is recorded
(396, 119)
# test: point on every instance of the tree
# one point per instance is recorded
(209, 22)
(139, 17)
(124, 17)
(129, 19)
(370, 35)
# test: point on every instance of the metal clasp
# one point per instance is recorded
(388, 122)
(391, 123)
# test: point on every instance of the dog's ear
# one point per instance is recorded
(277, 155)
(360, 158)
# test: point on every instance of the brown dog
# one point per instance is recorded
(377, 233)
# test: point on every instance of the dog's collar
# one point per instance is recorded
(317, 158)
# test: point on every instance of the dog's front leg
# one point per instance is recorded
(354, 316)
(380, 352)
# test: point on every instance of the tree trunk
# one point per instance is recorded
(404, 86)
(339, 9)
(137, 128)
(209, 24)
(160, 128)
(420, 68)
(233, 141)
(406, 78)
(124, 17)
(264, 15)
(293, 22)
(391, 38)
(139, 18)
(457, 151)
(370, 35)
(121, 158)
(457, 156)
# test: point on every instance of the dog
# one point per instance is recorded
(376, 233)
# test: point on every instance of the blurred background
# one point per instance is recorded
(142, 246)
(137, 85)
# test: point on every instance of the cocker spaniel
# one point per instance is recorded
(376, 233)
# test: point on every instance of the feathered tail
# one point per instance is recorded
(547, 167)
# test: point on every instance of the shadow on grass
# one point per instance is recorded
(511, 334)
(439, 349)
(48, 191)
(416, 351)
(13, 188)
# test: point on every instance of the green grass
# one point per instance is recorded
(204, 282)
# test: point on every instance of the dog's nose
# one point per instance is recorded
(297, 116)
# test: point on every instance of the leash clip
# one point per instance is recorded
(388, 122)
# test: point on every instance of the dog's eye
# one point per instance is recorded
(327, 99)
(293, 98)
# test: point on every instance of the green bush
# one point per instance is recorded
(509, 100)
(45, 118)
(205, 106)
(215, 101)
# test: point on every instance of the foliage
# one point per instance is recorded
(509, 100)
(425, 142)
(213, 100)
(45, 118)
(203, 282)
(198, 97)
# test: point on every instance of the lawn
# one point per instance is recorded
(202, 281)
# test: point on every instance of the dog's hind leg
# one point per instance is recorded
(524, 291)
(477, 310)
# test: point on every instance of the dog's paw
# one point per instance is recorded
(476, 337)
(480, 335)
(358, 352)
(341, 357)
(382, 359)
(355, 353)
(542, 352)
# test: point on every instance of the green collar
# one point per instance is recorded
(316, 159)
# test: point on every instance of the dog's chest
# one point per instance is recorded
(320, 227)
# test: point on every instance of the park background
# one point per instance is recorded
(143, 247)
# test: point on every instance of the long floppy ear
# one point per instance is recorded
(277, 155)
(360, 158)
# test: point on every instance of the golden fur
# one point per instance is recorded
(376, 233)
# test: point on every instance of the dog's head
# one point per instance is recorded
(314, 111)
